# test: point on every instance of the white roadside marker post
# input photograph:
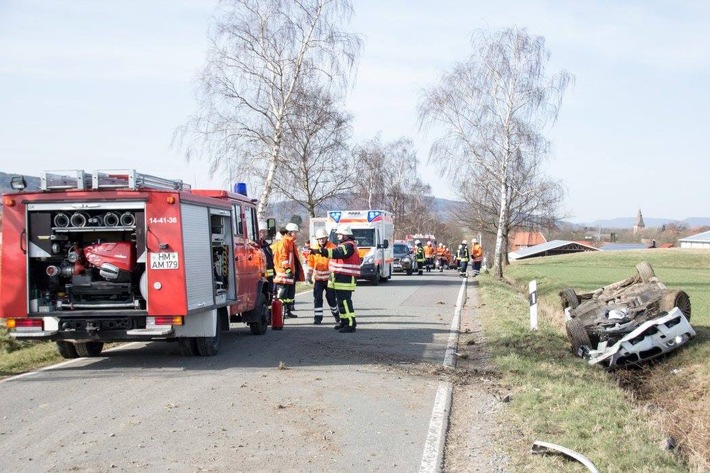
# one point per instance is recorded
(532, 289)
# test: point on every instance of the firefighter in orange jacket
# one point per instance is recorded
(319, 274)
(440, 257)
(287, 269)
(476, 257)
(429, 255)
(344, 269)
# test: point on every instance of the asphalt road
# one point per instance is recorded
(306, 398)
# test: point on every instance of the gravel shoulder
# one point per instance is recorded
(478, 400)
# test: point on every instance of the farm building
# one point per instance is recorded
(701, 240)
(521, 240)
(554, 247)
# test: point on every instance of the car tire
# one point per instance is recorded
(89, 349)
(569, 298)
(577, 335)
(645, 271)
(260, 327)
(67, 349)
(678, 299)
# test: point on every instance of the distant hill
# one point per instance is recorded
(283, 211)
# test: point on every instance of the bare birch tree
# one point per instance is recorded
(389, 179)
(491, 109)
(260, 50)
(317, 165)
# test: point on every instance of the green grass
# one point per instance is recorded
(21, 357)
(616, 419)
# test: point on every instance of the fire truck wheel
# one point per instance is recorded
(67, 349)
(89, 349)
(188, 346)
(260, 327)
(209, 346)
(376, 279)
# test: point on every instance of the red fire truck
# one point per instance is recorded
(119, 255)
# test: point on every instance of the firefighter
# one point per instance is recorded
(344, 269)
(268, 255)
(476, 256)
(419, 255)
(440, 256)
(319, 274)
(288, 269)
(305, 252)
(463, 256)
(429, 255)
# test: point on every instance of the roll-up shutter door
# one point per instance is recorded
(198, 257)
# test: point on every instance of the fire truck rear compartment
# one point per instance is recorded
(89, 259)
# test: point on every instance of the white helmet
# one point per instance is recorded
(464, 242)
(417, 242)
(428, 243)
(344, 230)
(473, 240)
(292, 227)
(321, 233)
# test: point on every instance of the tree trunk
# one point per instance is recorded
(269, 181)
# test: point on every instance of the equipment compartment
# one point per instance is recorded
(92, 258)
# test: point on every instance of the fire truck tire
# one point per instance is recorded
(89, 349)
(209, 346)
(376, 279)
(67, 349)
(188, 346)
(260, 327)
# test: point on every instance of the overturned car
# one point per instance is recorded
(629, 321)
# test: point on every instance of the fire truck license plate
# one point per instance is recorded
(163, 261)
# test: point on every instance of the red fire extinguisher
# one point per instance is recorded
(277, 315)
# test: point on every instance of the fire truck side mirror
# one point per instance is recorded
(385, 244)
(271, 226)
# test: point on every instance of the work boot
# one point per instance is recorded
(341, 323)
(347, 329)
(317, 321)
(289, 314)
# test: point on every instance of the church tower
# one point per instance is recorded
(639, 225)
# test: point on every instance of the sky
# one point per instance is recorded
(103, 84)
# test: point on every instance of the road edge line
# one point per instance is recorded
(433, 456)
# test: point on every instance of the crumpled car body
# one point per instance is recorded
(651, 339)
(607, 317)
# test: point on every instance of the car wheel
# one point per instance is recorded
(577, 334)
(89, 349)
(677, 299)
(209, 346)
(569, 298)
(645, 271)
(260, 327)
(67, 349)
(188, 346)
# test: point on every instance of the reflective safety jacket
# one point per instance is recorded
(462, 254)
(440, 252)
(419, 254)
(477, 252)
(429, 251)
(269, 254)
(344, 265)
(287, 264)
(318, 265)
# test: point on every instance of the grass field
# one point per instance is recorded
(619, 419)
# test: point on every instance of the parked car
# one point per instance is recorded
(620, 323)
(404, 259)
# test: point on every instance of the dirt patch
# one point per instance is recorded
(471, 442)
